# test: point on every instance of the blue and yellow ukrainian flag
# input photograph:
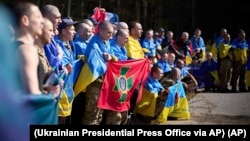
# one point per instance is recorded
(214, 71)
(150, 92)
(176, 104)
(95, 65)
(240, 55)
(147, 104)
(224, 49)
(67, 94)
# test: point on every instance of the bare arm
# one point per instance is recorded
(28, 66)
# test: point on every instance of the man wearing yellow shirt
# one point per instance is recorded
(133, 46)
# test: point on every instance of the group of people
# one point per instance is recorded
(226, 64)
(217, 68)
(48, 49)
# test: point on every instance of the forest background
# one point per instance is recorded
(175, 15)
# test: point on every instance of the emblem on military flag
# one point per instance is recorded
(123, 83)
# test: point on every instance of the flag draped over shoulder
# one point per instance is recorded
(120, 81)
(134, 49)
(67, 95)
(95, 65)
(176, 104)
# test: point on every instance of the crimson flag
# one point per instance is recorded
(120, 81)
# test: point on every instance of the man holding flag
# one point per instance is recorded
(176, 103)
(120, 82)
(90, 79)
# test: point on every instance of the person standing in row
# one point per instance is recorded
(239, 47)
(98, 53)
(31, 71)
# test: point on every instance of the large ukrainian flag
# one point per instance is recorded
(134, 49)
(240, 54)
(147, 104)
(67, 94)
(94, 66)
(176, 104)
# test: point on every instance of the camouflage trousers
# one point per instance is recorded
(92, 114)
(116, 118)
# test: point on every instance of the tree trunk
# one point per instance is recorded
(145, 13)
(69, 8)
(137, 4)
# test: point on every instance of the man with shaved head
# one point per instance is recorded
(31, 71)
(43, 39)
(53, 14)
(83, 35)
(122, 25)
(118, 44)
(98, 53)
(52, 50)
(91, 24)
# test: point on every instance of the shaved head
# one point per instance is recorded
(83, 26)
(53, 14)
(49, 10)
(122, 25)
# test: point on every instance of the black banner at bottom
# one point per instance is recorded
(42, 132)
